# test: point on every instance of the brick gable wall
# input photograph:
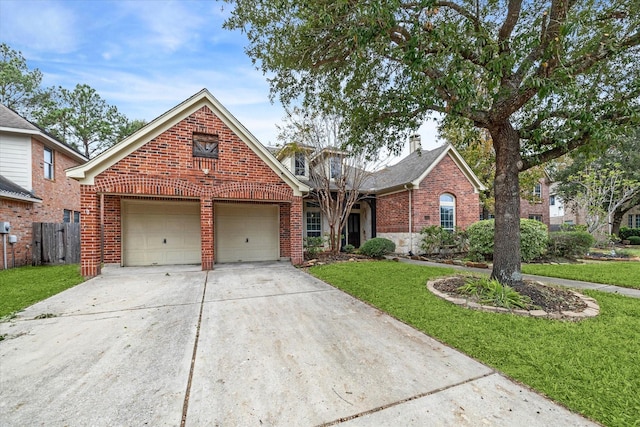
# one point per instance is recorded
(57, 194)
(392, 217)
(165, 167)
(445, 177)
(537, 208)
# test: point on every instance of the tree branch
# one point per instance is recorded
(513, 14)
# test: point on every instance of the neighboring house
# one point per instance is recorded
(191, 187)
(33, 184)
(563, 213)
(426, 188)
(632, 218)
(539, 209)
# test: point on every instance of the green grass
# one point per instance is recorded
(24, 286)
(625, 273)
(592, 366)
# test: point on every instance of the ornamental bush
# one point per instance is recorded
(533, 239)
(626, 232)
(634, 240)
(570, 243)
(377, 247)
(435, 239)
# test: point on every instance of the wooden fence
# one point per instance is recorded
(56, 243)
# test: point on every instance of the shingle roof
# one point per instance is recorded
(407, 170)
(11, 190)
(11, 119)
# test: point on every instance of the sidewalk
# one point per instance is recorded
(576, 284)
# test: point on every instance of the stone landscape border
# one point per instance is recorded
(592, 310)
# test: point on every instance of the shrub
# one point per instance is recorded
(435, 239)
(377, 247)
(313, 245)
(492, 292)
(634, 240)
(626, 232)
(570, 243)
(348, 248)
(533, 239)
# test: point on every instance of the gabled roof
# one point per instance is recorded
(12, 122)
(414, 168)
(86, 173)
(11, 190)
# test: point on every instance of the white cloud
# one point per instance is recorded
(170, 25)
(38, 25)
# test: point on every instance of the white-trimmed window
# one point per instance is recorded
(447, 211)
(48, 163)
(335, 167)
(313, 224)
(537, 190)
(300, 164)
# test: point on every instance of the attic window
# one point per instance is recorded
(205, 145)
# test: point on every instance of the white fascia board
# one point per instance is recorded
(459, 161)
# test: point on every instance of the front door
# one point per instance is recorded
(353, 230)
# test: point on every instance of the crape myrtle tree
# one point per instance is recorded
(605, 186)
(336, 176)
(542, 77)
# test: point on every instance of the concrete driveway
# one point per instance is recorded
(244, 345)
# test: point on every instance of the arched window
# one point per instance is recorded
(447, 211)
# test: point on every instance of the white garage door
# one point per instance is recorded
(246, 232)
(160, 233)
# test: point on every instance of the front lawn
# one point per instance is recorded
(625, 273)
(23, 286)
(592, 366)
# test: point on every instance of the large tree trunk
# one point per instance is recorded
(506, 246)
(616, 222)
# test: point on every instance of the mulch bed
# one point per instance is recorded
(547, 298)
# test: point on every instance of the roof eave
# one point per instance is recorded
(13, 196)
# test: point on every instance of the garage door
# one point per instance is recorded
(246, 232)
(160, 233)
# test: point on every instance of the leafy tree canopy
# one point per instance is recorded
(81, 118)
(561, 72)
(542, 77)
(19, 86)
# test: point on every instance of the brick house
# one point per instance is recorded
(425, 188)
(191, 187)
(540, 208)
(33, 184)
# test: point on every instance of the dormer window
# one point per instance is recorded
(335, 167)
(300, 164)
(205, 145)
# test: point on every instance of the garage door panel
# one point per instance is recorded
(246, 232)
(161, 233)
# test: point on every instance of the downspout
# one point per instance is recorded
(409, 189)
(102, 229)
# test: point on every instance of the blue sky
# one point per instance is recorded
(146, 56)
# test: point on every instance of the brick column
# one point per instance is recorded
(206, 233)
(295, 220)
(89, 232)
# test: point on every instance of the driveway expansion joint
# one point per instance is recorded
(185, 406)
(408, 399)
